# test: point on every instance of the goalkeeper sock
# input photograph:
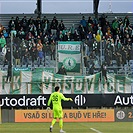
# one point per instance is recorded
(61, 124)
(53, 122)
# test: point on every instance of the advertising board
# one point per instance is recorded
(79, 100)
(94, 115)
(124, 115)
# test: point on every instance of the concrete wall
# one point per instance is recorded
(8, 115)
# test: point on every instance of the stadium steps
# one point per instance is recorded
(68, 19)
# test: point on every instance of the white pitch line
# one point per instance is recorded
(93, 129)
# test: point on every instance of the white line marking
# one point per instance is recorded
(93, 129)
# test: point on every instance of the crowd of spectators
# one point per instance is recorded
(110, 42)
(39, 36)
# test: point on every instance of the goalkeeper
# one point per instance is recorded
(56, 98)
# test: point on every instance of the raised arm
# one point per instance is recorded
(65, 99)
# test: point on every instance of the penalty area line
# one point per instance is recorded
(93, 129)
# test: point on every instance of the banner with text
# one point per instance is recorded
(94, 115)
(41, 81)
(79, 100)
(69, 55)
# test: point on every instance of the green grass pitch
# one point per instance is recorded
(110, 127)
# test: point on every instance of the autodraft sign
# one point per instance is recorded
(69, 55)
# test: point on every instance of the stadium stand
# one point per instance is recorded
(108, 39)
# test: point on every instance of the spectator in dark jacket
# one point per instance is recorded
(62, 71)
(17, 57)
(7, 58)
(103, 72)
(33, 53)
(26, 55)
(9, 73)
(61, 26)
(54, 25)
(92, 68)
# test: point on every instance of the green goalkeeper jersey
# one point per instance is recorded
(56, 98)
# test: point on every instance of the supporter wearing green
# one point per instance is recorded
(56, 98)
(2, 42)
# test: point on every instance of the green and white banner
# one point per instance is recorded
(71, 62)
(69, 46)
(69, 55)
(40, 81)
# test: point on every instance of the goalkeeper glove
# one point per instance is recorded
(70, 99)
